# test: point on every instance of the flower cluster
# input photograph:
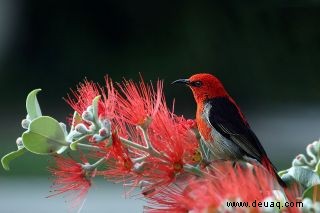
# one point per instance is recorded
(126, 133)
(142, 142)
(225, 183)
(71, 176)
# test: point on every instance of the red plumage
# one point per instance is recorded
(222, 125)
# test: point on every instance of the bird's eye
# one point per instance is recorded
(196, 83)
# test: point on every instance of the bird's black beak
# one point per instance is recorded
(181, 81)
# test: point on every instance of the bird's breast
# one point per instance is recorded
(221, 147)
(203, 127)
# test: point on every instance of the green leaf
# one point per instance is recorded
(306, 177)
(45, 136)
(312, 192)
(5, 160)
(33, 108)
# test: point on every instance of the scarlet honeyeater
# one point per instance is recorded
(222, 125)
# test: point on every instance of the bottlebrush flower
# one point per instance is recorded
(109, 96)
(170, 139)
(173, 136)
(83, 96)
(208, 194)
(174, 144)
(119, 164)
(138, 102)
(87, 91)
(156, 175)
(73, 177)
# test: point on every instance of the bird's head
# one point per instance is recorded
(204, 86)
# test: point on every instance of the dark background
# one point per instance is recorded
(265, 52)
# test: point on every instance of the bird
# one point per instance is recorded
(222, 125)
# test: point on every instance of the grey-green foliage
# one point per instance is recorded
(305, 171)
(43, 135)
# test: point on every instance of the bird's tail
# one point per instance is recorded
(272, 169)
(292, 191)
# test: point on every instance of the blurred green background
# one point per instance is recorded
(267, 53)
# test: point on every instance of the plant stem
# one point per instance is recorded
(73, 145)
(193, 170)
(139, 159)
(149, 150)
(93, 166)
(134, 145)
(146, 138)
(87, 147)
(98, 163)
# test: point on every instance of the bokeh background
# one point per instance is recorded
(267, 53)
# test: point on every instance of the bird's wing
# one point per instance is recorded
(225, 117)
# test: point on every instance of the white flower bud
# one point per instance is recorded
(300, 160)
(19, 143)
(97, 138)
(25, 123)
(87, 116)
(81, 128)
(105, 133)
(312, 152)
(105, 123)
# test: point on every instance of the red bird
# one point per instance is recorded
(222, 125)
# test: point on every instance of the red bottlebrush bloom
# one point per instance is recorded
(157, 175)
(172, 135)
(186, 131)
(71, 176)
(83, 96)
(139, 101)
(176, 145)
(108, 103)
(119, 163)
(87, 91)
(208, 194)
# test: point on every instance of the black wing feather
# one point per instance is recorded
(225, 117)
